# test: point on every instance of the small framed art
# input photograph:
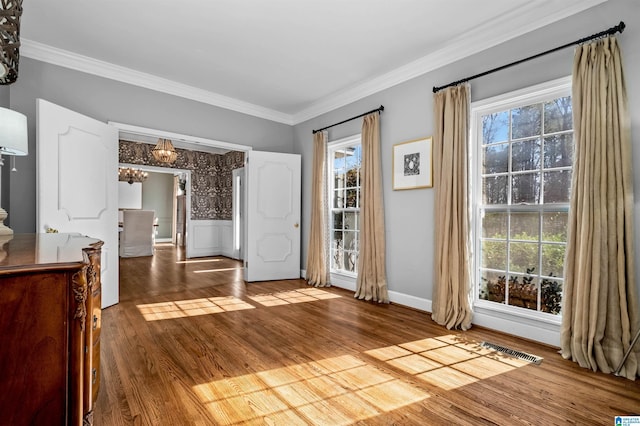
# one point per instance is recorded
(413, 164)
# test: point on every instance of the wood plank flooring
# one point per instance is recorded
(191, 344)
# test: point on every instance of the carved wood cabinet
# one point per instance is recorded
(50, 320)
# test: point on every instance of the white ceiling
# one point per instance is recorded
(284, 60)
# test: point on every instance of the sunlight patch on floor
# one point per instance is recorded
(447, 362)
(336, 391)
(191, 308)
(293, 296)
(217, 270)
(199, 261)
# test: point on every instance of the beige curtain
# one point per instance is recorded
(600, 306)
(371, 283)
(451, 305)
(318, 251)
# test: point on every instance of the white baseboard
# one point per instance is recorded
(410, 301)
(540, 332)
(394, 296)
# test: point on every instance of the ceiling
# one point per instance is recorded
(284, 60)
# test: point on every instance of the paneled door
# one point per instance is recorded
(272, 237)
(77, 176)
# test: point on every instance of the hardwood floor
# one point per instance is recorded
(191, 344)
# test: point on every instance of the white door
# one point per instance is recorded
(77, 175)
(272, 237)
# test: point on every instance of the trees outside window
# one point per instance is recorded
(524, 157)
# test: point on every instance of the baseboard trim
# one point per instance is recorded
(410, 301)
(539, 332)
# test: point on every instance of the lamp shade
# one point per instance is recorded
(13, 133)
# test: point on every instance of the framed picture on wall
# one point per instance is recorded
(413, 164)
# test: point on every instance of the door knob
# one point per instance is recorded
(295, 225)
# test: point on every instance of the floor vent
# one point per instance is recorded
(512, 352)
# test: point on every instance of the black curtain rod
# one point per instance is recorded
(618, 28)
(379, 109)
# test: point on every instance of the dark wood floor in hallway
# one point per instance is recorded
(192, 344)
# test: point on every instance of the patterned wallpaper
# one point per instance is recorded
(211, 176)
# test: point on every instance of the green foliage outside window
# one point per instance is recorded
(526, 153)
(523, 292)
(522, 282)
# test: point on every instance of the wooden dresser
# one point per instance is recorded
(49, 329)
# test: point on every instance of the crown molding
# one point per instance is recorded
(74, 61)
(511, 25)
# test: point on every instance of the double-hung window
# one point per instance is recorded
(344, 159)
(523, 148)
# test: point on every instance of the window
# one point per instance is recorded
(344, 157)
(523, 144)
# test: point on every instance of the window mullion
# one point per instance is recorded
(528, 118)
(540, 238)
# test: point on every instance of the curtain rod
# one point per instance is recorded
(618, 28)
(379, 109)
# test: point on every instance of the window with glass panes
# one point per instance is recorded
(525, 156)
(344, 198)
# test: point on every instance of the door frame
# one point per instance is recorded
(173, 172)
(179, 141)
(238, 216)
(193, 141)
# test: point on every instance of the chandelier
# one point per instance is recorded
(131, 175)
(164, 151)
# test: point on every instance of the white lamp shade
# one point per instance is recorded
(13, 133)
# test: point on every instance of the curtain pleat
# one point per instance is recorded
(600, 305)
(371, 283)
(318, 251)
(451, 305)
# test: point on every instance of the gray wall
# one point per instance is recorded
(409, 115)
(5, 96)
(157, 195)
(109, 100)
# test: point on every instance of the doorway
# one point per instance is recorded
(207, 232)
(97, 156)
(167, 193)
